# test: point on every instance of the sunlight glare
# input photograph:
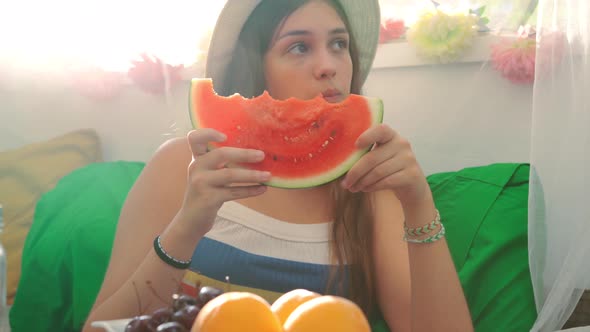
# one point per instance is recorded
(107, 33)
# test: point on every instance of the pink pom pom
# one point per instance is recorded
(515, 59)
(391, 30)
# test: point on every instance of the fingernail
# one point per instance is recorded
(263, 176)
(259, 154)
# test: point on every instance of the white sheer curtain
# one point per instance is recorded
(559, 209)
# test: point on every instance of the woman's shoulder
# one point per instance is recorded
(177, 148)
(173, 154)
(165, 172)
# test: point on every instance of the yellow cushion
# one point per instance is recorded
(28, 172)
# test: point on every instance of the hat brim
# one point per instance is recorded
(364, 17)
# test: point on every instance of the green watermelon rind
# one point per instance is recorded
(192, 113)
(375, 107)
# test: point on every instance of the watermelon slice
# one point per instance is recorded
(307, 143)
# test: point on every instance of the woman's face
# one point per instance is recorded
(309, 55)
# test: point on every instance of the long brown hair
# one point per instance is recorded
(352, 230)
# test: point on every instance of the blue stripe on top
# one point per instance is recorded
(261, 252)
(217, 260)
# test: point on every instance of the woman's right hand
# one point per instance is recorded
(211, 183)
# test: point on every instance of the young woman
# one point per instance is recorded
(346, 237)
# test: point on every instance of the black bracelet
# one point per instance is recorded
(167, 258)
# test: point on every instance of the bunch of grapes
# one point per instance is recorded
(177, 317)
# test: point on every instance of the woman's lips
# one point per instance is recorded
(332, 95)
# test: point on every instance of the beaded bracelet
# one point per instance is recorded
(423, 229)
(167, 258)
(439, 235)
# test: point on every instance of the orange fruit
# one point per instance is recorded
(237, 312)
(286, 303)
(327, 313)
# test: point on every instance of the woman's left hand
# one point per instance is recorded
(391, 164)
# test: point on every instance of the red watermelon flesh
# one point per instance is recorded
(306, 142)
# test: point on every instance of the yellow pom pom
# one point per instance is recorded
(443, 36)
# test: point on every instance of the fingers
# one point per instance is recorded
(210, 183)
(380, 134)
(227, 176)
(395, 180)
(220, 157)
(377, 174)
(367, 163)
(199, 139)
(380, 168)
(239, 192)
(209, 176)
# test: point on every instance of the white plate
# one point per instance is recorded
(117, 325)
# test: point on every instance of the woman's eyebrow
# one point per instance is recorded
(336, 31)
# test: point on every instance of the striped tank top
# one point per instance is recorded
(260, 254)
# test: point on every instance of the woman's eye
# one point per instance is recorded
(340, 44)
(298, 48)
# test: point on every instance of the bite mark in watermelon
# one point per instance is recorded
(307, 143)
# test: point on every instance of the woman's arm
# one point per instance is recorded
(151, 205)
(177, 195)
(417, 284)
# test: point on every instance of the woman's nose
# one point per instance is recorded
(325, 65)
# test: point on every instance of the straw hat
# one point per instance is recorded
(364, 17)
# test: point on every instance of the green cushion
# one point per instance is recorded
(484, 210)
(68, 246)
